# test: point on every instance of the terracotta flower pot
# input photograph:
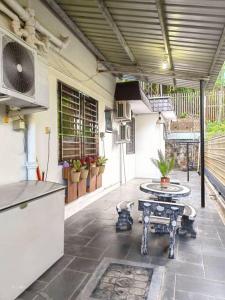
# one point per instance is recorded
(101, 170)
(75, 176)
(66, 172)
(94, 171)
(84, 174)
(165, 181)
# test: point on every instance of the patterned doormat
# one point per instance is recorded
(124, 280)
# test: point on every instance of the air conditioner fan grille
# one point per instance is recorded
(18, 67)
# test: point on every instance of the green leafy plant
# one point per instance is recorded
(164, 165)
(215, 128)
(183, 115)
(76, 165)
(101, 161)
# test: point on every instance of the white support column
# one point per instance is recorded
(31, 163)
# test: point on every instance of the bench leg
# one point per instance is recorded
(187, 227)
(172, 232)
(145, 235)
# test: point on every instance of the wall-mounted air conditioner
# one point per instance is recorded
(23, 74)
(123, 134)
(123, 111)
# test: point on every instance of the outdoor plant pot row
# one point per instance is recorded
(79, 183)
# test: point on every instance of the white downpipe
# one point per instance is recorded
(8, 12)
(24, 15)
(31, 163)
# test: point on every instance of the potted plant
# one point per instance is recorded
(75, 171)
(91, 162)
(165, 166)
(84, 169)
(101, 162)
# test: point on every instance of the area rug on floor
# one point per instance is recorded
(116, 279)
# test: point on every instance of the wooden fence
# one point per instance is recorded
(188, 103)
(215, 157)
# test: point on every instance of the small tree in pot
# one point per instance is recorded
(75, 171)
(165, 166)
(101, 162)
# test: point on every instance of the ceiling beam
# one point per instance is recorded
(171, 75)
(165, 34)
(146, 69)
(107, 15)
(72, 26)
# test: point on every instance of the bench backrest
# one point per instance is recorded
(161, 208)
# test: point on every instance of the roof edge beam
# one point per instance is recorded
(72, 26)
(219, 47)
(108, 17)
(165, 35)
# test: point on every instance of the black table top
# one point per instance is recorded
(173, 190)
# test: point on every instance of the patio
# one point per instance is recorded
(197, 272)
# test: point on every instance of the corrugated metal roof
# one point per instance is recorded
(194, 29)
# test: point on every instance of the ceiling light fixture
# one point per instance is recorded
(160, 120)
(165, 63)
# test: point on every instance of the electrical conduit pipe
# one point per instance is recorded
(24, 15)
(8, 12)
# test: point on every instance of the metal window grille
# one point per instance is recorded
(77, 124)
(130, 147)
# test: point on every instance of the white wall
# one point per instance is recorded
(149, 138)
(12, 155)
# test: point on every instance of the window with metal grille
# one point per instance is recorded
(130, 147)
(77, 124)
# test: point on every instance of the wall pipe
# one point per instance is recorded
(8, 12)
(24, 15)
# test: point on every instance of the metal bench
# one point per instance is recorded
(165, 217)
(125, 221)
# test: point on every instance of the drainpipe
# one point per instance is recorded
(8, 12)
(24, 15)
(31, 163)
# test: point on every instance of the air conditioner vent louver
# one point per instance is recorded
(123, 134)
(123, 111)
(18, 68)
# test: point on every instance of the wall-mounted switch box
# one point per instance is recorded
(47, 130)
(18, 125)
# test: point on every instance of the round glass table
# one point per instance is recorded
(166, 194)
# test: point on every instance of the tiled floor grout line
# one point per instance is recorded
(60, 272)
(197, 277)
(79, 285)
(174, 290)
(200, 294)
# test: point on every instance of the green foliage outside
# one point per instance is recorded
(214, 129)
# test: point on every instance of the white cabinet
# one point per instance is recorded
(31, 240)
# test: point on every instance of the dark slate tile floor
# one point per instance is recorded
(197, 272)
